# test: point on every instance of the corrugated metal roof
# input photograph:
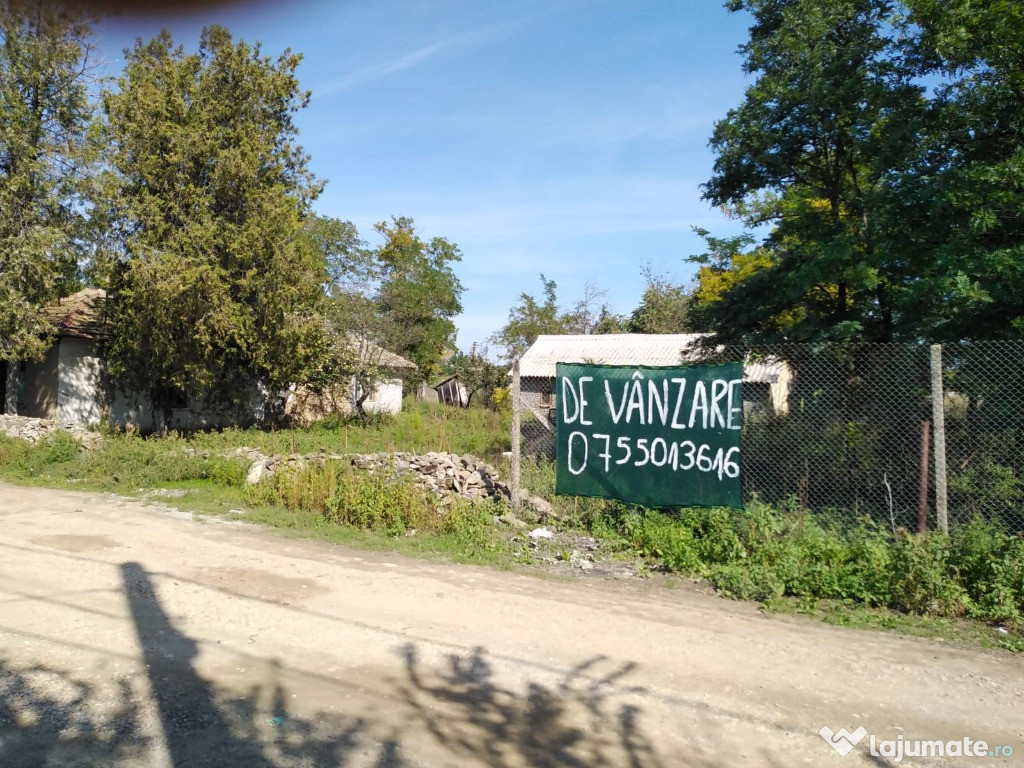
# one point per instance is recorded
(605, 349)
(629, 349)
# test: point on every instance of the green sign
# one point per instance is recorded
(659, 437)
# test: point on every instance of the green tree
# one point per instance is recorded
(664, 307)
(351, 264)
(810, 151)
(418, 295)
(45, 118)
(478, 375)
(358, 333)
(529, 319)
(216, 289)
(963, 197)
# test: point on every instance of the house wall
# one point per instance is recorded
(80, 394)
(537, 394)
(386, 397)
(133, 409)
(780, 390)
(130, 409)
(37, 390)
(538, 433)
(427, 393)
(452, 392)
(305, 406)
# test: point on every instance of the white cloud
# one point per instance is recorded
(403, 62)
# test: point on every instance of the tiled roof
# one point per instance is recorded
(80, 314)
(628, 349)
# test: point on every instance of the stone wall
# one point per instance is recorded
(33, 430)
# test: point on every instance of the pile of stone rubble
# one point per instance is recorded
(447, 475)
(33, 430)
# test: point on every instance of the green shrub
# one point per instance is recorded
(763, 553)
(866, 572)
(923, 577)
(747, 582)
(58, 448)
(990, 566)
(659, 536)
(385, 502)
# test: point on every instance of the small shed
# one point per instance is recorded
(451, 391)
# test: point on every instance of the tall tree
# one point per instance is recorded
(966, 191)
(216, 288)
(357, 332)
(833, 108)
(44, 121)
(530, 318)
(419, 293)
(664, 307)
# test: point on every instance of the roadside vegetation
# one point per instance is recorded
(966, 587)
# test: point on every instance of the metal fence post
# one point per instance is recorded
(516, 437)
(939, 432)
(922, 504)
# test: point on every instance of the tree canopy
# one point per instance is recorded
(45, 73)
(530, 318)
(880, 145)
(418, 294)
(215, 289)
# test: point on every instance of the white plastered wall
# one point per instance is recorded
(386, 397)
(79, 382)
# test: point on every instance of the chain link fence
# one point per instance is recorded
(862, 429)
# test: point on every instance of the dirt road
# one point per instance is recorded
(135, 636)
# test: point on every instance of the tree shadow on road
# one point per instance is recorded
(49, 717)
(578, 722)
(466, 708)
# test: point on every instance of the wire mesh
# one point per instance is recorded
(847, 431)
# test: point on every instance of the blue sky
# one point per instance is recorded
(567, 137)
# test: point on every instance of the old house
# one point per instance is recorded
(305, 405)
(765, 382)
(66, 384)
(70, 383)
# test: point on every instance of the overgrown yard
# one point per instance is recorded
(968, 586)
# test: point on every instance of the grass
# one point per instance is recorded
(956, 632)
(841, 568)
(420, 427)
